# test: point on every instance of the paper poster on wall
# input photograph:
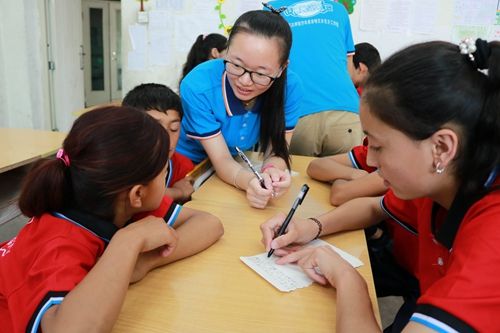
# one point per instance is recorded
(245, 6)
(138, 37)
(159, 58)
(210, 20)
(160, 49)
(398, 16)
(462, 32)
(136, 61)
(158, 19)
(160, 37)
(497, 18)
(373, 13)
(494, 33)
(495, 30)
(475, 13)
(169, 5)
(424, 17)
(186, 29)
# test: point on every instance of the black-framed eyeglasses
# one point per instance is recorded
(256, 77)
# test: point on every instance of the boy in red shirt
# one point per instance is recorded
(366, 58)
(163, 104)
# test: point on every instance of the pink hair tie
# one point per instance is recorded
(61, 155)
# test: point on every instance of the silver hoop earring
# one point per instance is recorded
(439, 169)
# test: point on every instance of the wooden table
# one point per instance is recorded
(20, 146)
(215, 190)
(215, 292)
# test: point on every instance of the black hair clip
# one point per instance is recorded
(274, 10)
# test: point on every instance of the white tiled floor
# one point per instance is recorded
(389, 306)
(11, 228)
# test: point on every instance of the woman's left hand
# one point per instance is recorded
(322, 264)
(281, 180)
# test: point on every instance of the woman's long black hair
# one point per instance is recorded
(272, 125)
(426, 86)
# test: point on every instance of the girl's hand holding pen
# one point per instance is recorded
(257, 196)
(299, 231)
(280, 180)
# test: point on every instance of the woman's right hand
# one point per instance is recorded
(257, 196)
(299, 231)
(153, 232)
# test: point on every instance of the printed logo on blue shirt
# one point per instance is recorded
(308, 9)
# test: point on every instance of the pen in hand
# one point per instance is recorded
(296, 203)
(250, 165)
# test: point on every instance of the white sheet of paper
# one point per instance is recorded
(290, 277)
(373, 15)
(138, 37)
(475, 13)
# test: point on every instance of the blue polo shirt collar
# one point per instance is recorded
(233, 105)
(101, 228)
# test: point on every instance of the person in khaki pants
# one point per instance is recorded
(322, 47)
(326, 133)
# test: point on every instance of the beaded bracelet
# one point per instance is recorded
(320, 226)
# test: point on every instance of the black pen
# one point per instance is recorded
(296, 203)
(250, 165)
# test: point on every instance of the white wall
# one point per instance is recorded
(24, 97)
(188, 18)
(388, 42)
(439, 17)
(185, 20)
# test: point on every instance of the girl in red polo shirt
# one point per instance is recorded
(99, 222)
(432, 118)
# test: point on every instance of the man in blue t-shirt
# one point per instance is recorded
(322, 46)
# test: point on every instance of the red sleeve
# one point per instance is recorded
(181, 166)
(358, 156)
(58, 267)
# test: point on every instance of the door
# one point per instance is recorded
(63, 31)
(115, 40)
(102, 51)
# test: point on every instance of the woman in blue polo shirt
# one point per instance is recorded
(247, 98)
(432, 118)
